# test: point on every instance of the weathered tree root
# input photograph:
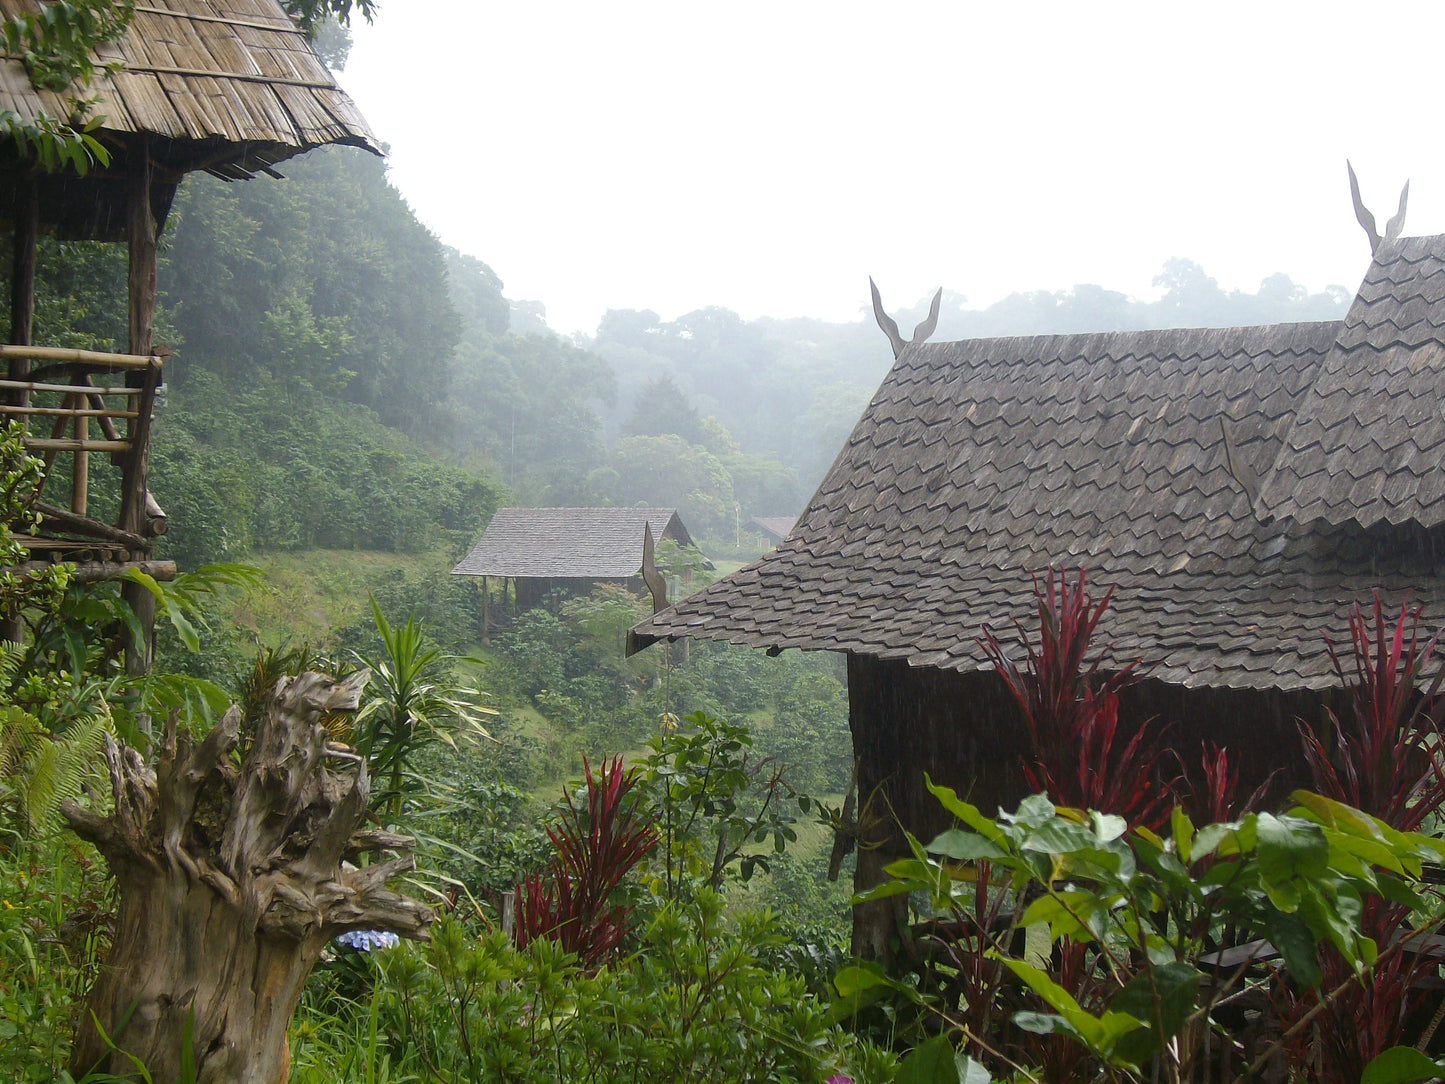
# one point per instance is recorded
(231, 882)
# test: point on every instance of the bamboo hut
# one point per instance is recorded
(232, 87)
(1240, 489)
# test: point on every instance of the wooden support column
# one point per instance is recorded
(486, 612)
(141, 292)
(80, 473)
(22, 274)
(26, 214)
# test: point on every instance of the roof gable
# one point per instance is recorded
(593, 543)
(1367, 443)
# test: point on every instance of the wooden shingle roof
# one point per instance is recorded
(979, 464)
(236, 75)
(1367, 443)
(591, 543)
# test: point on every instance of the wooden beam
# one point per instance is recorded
(69, 389)
(79, 412)
(72, 444)
(84, 525)
(63, 355)
(93, 571)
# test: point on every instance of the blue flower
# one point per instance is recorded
(366, 940)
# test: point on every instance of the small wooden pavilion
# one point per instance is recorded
(540, 549)
(232, 87)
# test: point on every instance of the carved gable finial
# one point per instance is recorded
(1367, 220)
(890, 326)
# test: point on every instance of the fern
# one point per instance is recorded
(40, 770)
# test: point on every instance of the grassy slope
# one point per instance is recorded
(309, 593)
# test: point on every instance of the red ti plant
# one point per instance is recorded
(1388, 761)
(597, 846)
(1070, 705)
(1214, 799)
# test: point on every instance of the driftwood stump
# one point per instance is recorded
(232, 881)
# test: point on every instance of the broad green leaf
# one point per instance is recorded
(1174, 989)
(889, 888)
(1401, 1065)
(932, 1062)
(1207, 840)
(1182, 828)
(1034, 811)
(1099, 1033)
(849, 980)
(1338, 815)
(1297, 945)
(1107, 826)
(1064, 912)
(965, 846)
(970, 1071)
(184, 629)
(1290, 848)
(968, 814)
(1043, 1023)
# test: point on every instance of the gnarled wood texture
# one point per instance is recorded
(231, 883)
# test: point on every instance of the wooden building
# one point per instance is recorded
(541, 549)
(232, 87)
(1240, 489)
(774, 528)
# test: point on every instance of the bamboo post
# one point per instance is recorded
(22, 318)
(486, 613)
(22, 281)
(80, 472)
(141, 296)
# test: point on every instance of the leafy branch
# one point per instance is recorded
(57, 45)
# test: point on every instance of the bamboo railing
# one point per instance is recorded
(59, 395)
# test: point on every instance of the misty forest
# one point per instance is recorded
(282, 798)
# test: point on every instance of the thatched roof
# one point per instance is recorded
(585, 543)
(978, 464)
(229, 86)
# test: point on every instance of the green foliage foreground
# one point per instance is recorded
(1109, 937)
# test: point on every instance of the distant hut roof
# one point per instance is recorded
(980, 463)
(228, 86)
(587, 543)
(775, 527)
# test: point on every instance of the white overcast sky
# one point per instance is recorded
(768, 157)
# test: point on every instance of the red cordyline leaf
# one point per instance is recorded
(1215, 801)
(597, 846)
(1387, 758)
(1070, 707)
